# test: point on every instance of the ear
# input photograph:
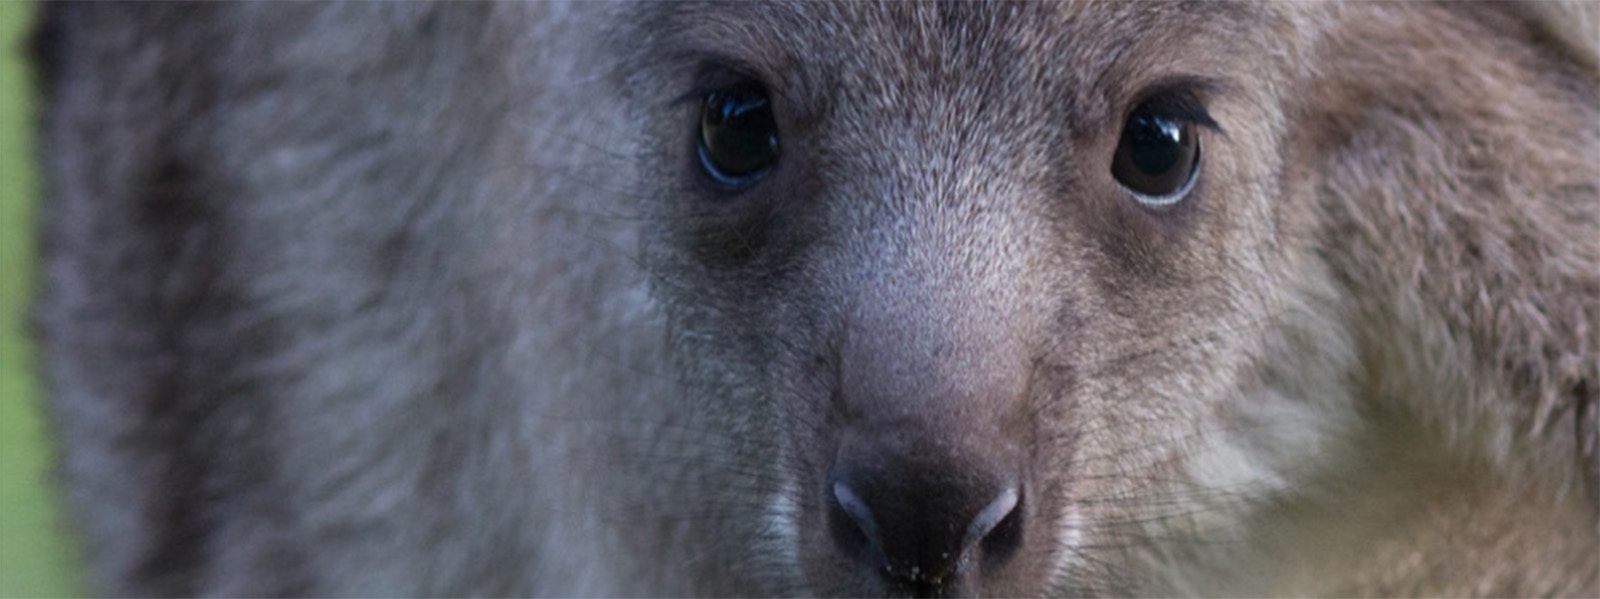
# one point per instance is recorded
(1573, 27)
(129, 258)
(1450, 155)
(1570, 25)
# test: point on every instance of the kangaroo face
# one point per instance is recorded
(975, 281)
(825, 299)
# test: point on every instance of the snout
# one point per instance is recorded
(920, 477)
(923, 516)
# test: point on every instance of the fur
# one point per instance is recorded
(429, 299)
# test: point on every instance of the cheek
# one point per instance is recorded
(1251, 166)
(1169, 343)
(1146, 402)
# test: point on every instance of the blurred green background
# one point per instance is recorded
(37, 559)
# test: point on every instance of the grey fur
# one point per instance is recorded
(418, 299)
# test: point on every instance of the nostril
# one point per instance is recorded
(989, 517)
(1004, 536)
(853, 523)
(856, 509)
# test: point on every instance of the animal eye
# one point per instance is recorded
(738, 136)
(1157, 156)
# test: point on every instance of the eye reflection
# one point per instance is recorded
(1157, 156)
(738, 139)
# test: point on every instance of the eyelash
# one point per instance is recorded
(712, 75)
(1179, 101)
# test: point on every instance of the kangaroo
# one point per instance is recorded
(932, 299)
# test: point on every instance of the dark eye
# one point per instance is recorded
(1157, 156)
(738, 137)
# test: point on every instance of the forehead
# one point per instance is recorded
(1077, 53)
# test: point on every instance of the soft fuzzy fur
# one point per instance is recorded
(414, 299)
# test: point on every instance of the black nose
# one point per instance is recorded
(925, 528)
